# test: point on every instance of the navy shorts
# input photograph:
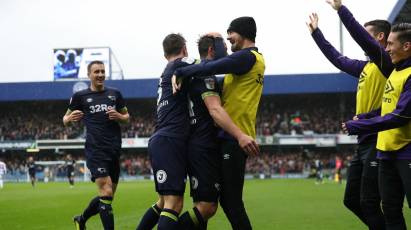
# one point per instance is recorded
(103, 163)
(204, 170)
(168, 158)
(32, 173)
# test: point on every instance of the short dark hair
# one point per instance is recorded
(173, 43)
(204, 42)
(403, 30)
(380, 26)
(95, 62)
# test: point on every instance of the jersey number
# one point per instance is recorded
(190, 107)
(159, 91)
(100, 108)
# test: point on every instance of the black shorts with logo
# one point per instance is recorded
(204, 170)
(103, 163)
(168, 156)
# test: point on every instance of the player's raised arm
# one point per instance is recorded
(351, 66)
(372, 37)
(335, 4)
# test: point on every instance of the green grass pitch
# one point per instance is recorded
(271, 204)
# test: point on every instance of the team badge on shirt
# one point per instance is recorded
(210, 83)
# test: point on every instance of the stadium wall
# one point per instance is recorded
(147, 88)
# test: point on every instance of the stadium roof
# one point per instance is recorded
(401, 12)
(147, 88)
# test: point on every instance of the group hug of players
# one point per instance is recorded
(205, 131)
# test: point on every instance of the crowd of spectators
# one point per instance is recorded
(280, 114)
(138, 164)
(292, 162)
(302, 114)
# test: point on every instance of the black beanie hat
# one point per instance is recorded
(245, 26)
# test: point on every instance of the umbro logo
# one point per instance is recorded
(388, 87)
(113, 98)
(409, 165)
(101, 170)
(260, 79)
(89, 100)
(362, 77)
(373, 163)
(226, 156)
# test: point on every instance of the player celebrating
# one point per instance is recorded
(69, 165)
(392, 122)
(102, 109)
(242, 89)
(167, 146)
(361, 193)
(204, 159)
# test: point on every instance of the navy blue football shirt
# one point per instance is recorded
(102, 133)
(172, 115)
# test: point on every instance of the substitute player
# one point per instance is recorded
(242, 89)
(361, 193)
(204, 159)
(392, 122)
(102, 109)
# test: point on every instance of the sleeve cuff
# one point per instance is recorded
(209, 93)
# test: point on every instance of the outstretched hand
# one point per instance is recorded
(335, 4)
(313, 23)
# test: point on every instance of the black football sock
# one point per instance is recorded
(192, 219)
(168, 220)
(106, 212)
(150, 218)
(92, 209)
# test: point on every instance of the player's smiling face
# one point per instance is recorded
(97, 75)
(236, 41)
(398, 51)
